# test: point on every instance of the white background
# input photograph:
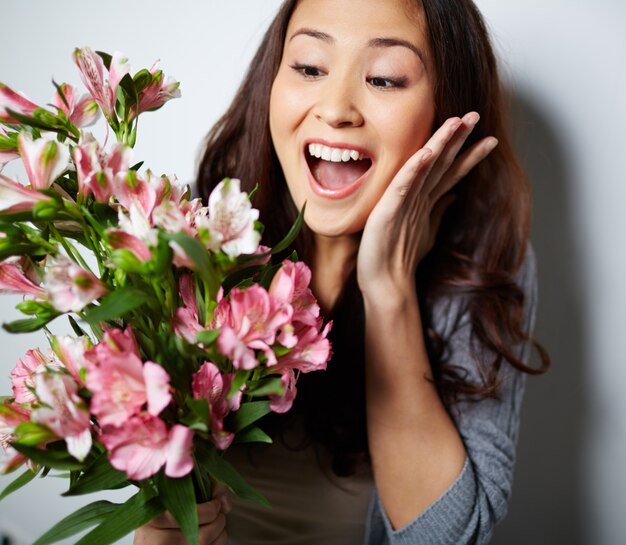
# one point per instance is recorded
(566, 64)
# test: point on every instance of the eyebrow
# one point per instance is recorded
(375, 42)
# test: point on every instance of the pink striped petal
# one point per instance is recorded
(64, 94)
(157, 387)
(45, 160)
(13, 280)
(85, 113)
(10, 100)
(91, 68)
(123, 240)
(14, 197)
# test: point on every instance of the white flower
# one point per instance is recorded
(231, 220)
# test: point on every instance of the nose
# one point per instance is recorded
(337, 103)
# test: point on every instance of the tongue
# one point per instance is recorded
(338, 175)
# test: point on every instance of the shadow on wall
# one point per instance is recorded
(547, 502)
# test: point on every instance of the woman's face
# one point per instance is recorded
(351, 102)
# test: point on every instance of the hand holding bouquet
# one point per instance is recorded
(186, 333)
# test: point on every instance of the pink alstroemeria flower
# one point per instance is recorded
(14, 197)
(11, 416)
(65, 413)
(13, 279)
(291, 285)
(71, 353)
(186, 323)
(132, 188)
(252, 324)
(209, 383)
(312, 351)
(44, 160)
(158, 92)
(101, 88)
(282, 403)
(97, 171)
(231, 220)
(83, 111)
(70, 287)
(10, 100)
(121, 384)
(143, 444)
(120, 240)
(24, 373)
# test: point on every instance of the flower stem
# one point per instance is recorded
(72, 253)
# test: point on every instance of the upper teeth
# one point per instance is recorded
(336, 155)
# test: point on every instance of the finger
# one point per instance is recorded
(404, 179)
(209, 533)
(463, 165)
(448, 147)
(164, 521)
(222, 493)
(209, 511)
(158, 536)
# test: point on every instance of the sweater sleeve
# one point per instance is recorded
(468, 510)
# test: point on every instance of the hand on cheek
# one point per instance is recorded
(402, 227)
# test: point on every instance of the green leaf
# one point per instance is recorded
(207, 337)
(235, 278)
(223, 471)
(200, 257)
(252, 434)
(27, 325)
(131, 98)
(199, 407)
(18, 483)
(100, 475)
(32, 434)
(106, 59)
(135, 512)
(291, 235)
(179, 498)
(142, 79)
(265, 387)
(247, 414)
(116, 304)
(241, 376)
(74, 324)
(127, 261)
(55, 459)
(80, 520)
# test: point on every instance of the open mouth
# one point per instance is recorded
(336, 171)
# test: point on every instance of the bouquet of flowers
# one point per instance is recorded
(186, 334)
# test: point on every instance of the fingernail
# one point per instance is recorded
(491, 143)
(474, 118)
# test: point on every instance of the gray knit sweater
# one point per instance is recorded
(467, 512)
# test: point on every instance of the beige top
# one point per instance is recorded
(310, 506)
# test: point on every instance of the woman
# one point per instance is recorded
(417, 236)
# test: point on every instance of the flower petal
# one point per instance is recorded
(157, 387)
(179, 461)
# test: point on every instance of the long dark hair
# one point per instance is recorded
(479, 249)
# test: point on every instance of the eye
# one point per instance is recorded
(307, 71)
(387, 83)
